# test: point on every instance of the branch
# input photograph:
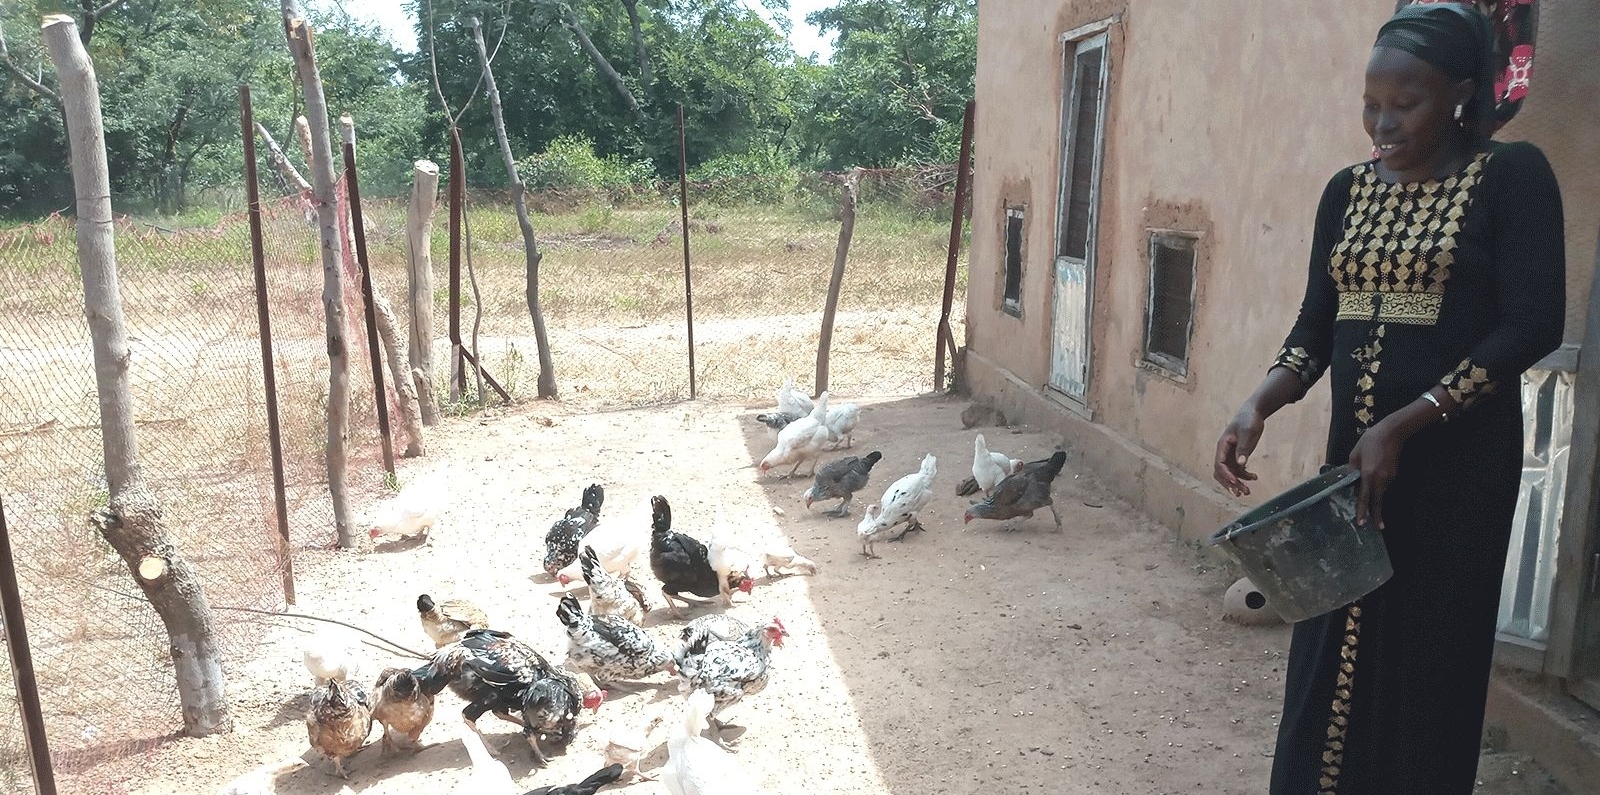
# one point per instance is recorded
(569, 18)
(638, 41)
(92, 15)
(33, 85)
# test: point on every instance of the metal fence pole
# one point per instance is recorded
(944, 341)
(264, 323)
(688, 281)
(374, 352)
(44, 777)
(458, 195)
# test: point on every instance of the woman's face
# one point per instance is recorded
(1408, 111)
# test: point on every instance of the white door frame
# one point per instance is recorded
(1070, 369)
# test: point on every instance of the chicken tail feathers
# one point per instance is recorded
(597, 779)
(593, 497)
(569, 611)
(967, 487)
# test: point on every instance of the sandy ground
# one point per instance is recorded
(1091, 660)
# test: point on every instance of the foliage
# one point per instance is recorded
(759, 177)
(570, 163)
(892, 95)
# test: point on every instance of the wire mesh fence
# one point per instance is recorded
(102, 656)
(614, 296)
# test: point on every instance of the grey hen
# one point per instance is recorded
(1022, 493)
(841, 480)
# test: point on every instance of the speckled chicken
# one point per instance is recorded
(610, 595)
(550, 709)
(1022, 493)
(609, 648)
(446, 621)
(339, 721)
(401, 708)
(703, 630)
(776, 421)
(495, 672)
(679, 561)
(731, 669)
(902, 502)
(841, 479)
(561, 542)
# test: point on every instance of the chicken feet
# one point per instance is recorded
(841, 510)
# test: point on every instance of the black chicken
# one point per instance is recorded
(588, 786)
(562, 541)
(841, 480)
(678, 561)
(494, 672)
(1022, 493)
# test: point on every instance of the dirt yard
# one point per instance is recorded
(1087, 661)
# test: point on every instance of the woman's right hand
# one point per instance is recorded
(1238, 441)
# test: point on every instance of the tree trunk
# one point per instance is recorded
(394, 351)
(419, 262)
(569, 18)
(638, 41)
(847, 228)
(530, 246)
(281, 161)
(132, 522)
(298, 34)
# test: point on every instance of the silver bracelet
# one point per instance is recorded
(1428, 396)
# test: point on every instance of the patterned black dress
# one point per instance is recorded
(1459, 281)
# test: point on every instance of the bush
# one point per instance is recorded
(570, 163)
(760, 177)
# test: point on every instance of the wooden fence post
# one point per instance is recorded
(945, 342)
(16, 635)
(847, 228)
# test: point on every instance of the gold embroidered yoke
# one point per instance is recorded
(1423, 283)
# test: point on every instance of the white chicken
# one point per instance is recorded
(801, 441)
(730, 560)
(791, 401)
(901, 503)
(626, 746)
(487, 776)
(988, 467)
(617, 543)
(781, 556)
(413, 511)
(327, 659)
(695, 765)
(841, 421)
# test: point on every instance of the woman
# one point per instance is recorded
(1437, 278)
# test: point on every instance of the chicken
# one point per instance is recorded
(781, 556)
(841, 479)
(730, 669)
(562, 540)
(901, 504)
(446, 621)
(800, 441)
(491, 671)
(791, 401)
(550, 709)
(841, 421)
(401, 708)
(588, 786)
(412, 512)
(339, 721)
(609, 648)
(487, 776)
(1022, 493)
(731, 561)
(680, 562)
(695, 765)
(988, 469)
(626, 747)
(616, 543)
(703, 630)
(610, 595)
(327, 659)
(777, 421)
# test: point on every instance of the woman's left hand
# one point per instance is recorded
(1377, 457)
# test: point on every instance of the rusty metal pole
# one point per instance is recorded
(16, 634)
(944, 338)
(375, 353)
(688, 281)
(264, 323)
(458, 195)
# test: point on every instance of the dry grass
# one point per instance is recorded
(613, 292)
